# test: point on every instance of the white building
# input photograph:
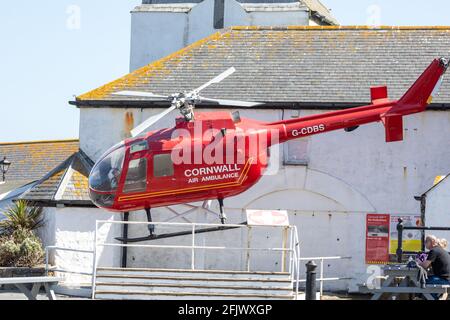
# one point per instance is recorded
(161, 27)
(435, 206)
(328, 182)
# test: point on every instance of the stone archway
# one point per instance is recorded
(301, 188)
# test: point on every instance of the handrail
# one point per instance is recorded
(188, 224)
(292, 248)
(190, 247)
(321, 278)
(400, 227)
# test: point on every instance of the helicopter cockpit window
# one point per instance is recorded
(136, 180)
(162, 165)
(106, 174)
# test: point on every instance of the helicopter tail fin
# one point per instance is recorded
(421, 93)
(415, 100)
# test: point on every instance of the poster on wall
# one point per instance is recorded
(412, 239)
(377, 238)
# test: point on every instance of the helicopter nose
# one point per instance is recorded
(105, 176)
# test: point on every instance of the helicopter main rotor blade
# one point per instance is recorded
(234, 103)
(217, 79)
(150, 121)
(140, 94)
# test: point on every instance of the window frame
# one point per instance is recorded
(300, 162)
(165, 154)
(286, 160)
(134, 157)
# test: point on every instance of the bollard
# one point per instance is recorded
(311, 275)
(399, 251)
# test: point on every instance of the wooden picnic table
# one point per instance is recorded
(399, 279)
(30, 286)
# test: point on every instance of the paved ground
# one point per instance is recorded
(344, 296)
(10, 295)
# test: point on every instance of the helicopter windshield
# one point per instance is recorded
(105, 175)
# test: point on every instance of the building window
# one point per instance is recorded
(296, 151)
(162, 165)
(136, 180)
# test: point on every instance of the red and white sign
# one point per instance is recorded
(377, 238)
(267, 218)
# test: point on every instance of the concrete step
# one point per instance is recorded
(118, 279)
(153, 284)
(195, 273)
(142, 295)
(222, 289)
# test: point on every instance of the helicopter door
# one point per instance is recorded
(136, 178)
(163, 171)
(163, 165)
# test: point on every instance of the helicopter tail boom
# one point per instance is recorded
(390, 113)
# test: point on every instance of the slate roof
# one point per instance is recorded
(66, 184)
(30, 161)
(290, 66)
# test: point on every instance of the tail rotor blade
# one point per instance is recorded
(150, 121)
(217, 79)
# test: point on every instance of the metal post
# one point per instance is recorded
(125, 236)
(297, 260)
(94, 262)
(400, 240)
(321, 278)
(284, 245)
(249, 241)
(291, 248)
(193, 248)
(311, 276)
(46, 261)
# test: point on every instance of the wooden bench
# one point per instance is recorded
(400, 279)
(35, 283)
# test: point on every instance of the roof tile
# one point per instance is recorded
(30, 161)
(292, 64)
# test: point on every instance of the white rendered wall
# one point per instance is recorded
(348, 175)
(75, 228)
(158, 33)
(437, 212)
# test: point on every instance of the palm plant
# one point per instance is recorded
(21, 216)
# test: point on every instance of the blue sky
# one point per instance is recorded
(52, 50)
(391, 12)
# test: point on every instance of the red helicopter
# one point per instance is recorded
(216, 155)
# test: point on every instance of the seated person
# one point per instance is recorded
(439, 261)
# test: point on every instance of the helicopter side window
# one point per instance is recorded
(136, 180)
(139, 146)
(162, 165)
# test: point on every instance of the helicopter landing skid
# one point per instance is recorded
(175, 234)
(205, 207)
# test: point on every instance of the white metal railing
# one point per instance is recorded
(321, 278)
(56, 248)
(290, 232)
